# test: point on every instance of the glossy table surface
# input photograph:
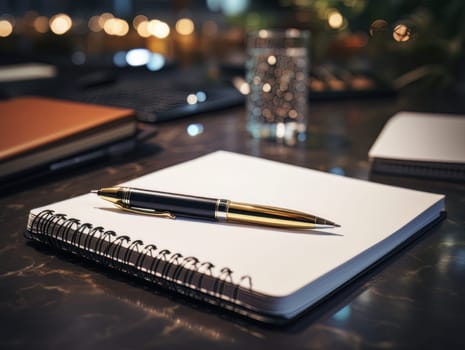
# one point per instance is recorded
(414, 299)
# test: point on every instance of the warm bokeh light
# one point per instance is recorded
(263, 34)
(266, 87)
(94, 24)
(241, 85)
(116, 26)
(104, 17)
(378, 26)
(138, 20)
(185, 26)
(60, 24)
(191, 99)
(271, 60)
(143, 29)
(158, 29)
(335, 19)
(41, 24)
(6, 28)
(401, 33)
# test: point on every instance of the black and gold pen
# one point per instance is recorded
(170, 205)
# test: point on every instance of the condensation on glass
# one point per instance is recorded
(277, 75)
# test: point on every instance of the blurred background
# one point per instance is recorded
(408, 44)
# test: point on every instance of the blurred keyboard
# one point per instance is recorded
(156, 96)
(164, 98)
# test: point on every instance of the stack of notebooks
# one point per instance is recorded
(268, 274)
(40, 135)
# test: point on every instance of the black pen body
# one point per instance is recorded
(173, 203)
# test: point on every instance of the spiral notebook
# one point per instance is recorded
(264, 273)
(421, 144)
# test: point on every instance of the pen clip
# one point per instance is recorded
(136, 210)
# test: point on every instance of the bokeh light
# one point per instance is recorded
(60, 23)
(185, 26)
(241, 85)
(40, 24)
(138, 20)
(192, 99)
(194, 129)
(143, 29)
(156, 62)
(234, 7)
(271, 60)
(158, 28)
(201, 96)
(94, 24)
(378, 26)
(401, 33)
(116, 26)
(6, 28)
(119, 59)
(103, 18)
(335, 19)
(138, 57)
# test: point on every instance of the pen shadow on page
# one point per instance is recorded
(280, 230)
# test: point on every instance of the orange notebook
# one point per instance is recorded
(37, 130)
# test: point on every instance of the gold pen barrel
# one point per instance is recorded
(273, 216)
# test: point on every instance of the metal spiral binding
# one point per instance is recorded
(173, 271)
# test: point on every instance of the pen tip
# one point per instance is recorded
(94, 191)
(336, 225)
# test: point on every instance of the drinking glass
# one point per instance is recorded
(277, 75)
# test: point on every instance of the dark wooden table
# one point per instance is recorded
(415, 299)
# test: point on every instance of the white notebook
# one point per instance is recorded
(421, 144)
(262, 272)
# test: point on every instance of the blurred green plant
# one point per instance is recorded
(412, 42)
(430, 51)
